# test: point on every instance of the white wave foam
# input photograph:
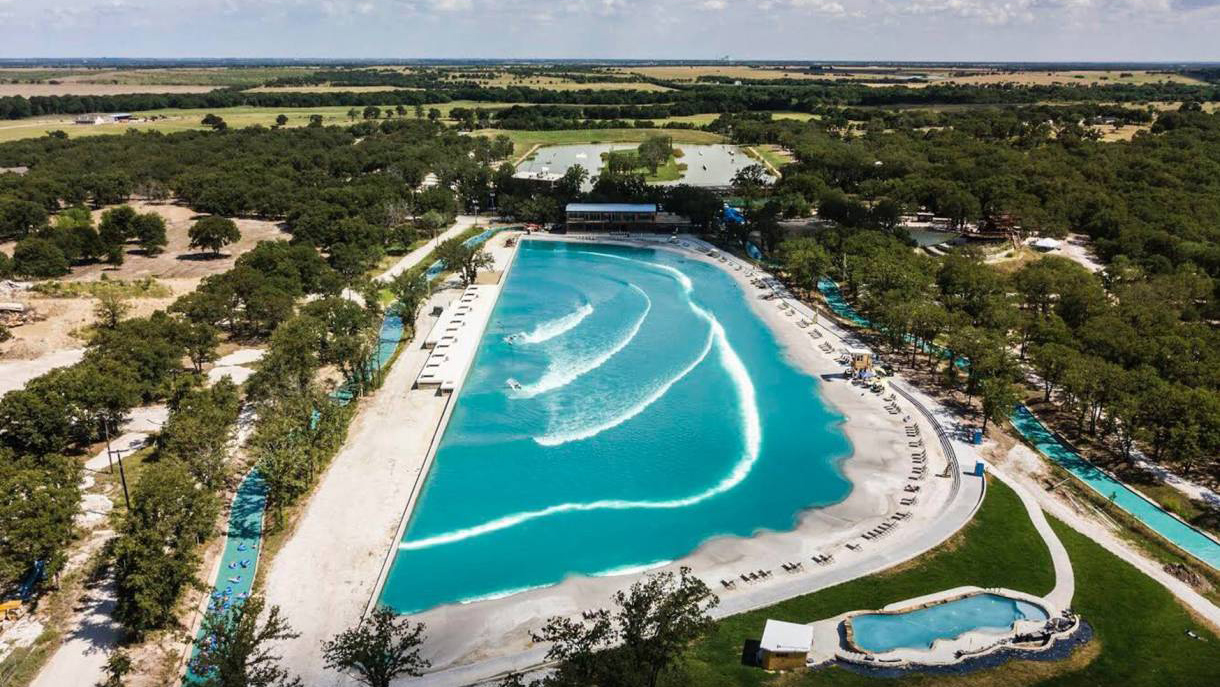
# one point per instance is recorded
(560, 325)
(752, 434)
(501, 594)
(562, 372)
(677, 273)
(631, 569)
(591, 430)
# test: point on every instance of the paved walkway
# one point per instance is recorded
(413, 258)
(1065, 578)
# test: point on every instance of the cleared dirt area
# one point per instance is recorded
(63, 321)
(179, 261)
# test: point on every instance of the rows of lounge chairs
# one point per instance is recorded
(880, 530)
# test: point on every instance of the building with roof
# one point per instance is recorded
(611, 217)
(784, 646)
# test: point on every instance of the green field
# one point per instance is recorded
(1140, 626)
(188, 119)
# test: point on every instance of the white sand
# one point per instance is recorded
(325, 576)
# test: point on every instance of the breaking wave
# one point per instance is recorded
(751, 434)
(593, 429)
(562, 371)
(556, 327)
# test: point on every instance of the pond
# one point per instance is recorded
(706, 165)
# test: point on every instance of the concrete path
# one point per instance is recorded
(15, 374)
(413, 258)
(1065, 578)
(81, 658)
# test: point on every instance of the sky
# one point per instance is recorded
(963, 30)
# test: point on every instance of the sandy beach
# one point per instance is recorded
(326, 575)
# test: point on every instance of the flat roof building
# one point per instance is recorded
(784, 645)
(611, 216)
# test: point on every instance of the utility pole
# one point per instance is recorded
(111, 456)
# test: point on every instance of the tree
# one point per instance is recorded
(410, 288)
(655, 151)
(111, 306)
(805, 261)
(239, 652)
(39, 497)
(156, 552)
(998, 396)
(214, 121)
(118, 665)
(431, 222)
(378, 650)
(149, 231)
(372, 112)
(434, 114)
(315, 121)
(213, 233)
(464, 259)
(34, 257)
(281, 120)
(18, 218)
(644, 638)
(352, 114)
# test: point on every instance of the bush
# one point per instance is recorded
(40, 258)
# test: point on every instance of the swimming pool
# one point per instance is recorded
(625, 406)
(919, 628)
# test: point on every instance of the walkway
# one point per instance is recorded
(1065, 578)
(413, 258)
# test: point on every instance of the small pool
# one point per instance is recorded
(918, 629)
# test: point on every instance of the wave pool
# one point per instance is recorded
(625, 405)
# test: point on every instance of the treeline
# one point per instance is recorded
(684, 98)
(1126, 352)
(1154, 200)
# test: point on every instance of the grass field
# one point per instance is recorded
(184, 120)
(524, 140)
(1140, 627)
(552, 83)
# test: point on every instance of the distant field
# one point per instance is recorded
(37, 82)
(327, 88)
(1070, 78)
(524, 140)
(680, 73)
(35, 89)
(184, 120)
(555, 83)
(709, 117)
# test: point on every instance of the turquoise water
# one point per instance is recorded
(1181, 534)
(625, 406)
(918, 629)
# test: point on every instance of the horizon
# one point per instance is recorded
(1085, 31)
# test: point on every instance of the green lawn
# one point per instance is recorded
(999, 548)
(1140, 628)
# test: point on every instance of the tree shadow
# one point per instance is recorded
(202, 257)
